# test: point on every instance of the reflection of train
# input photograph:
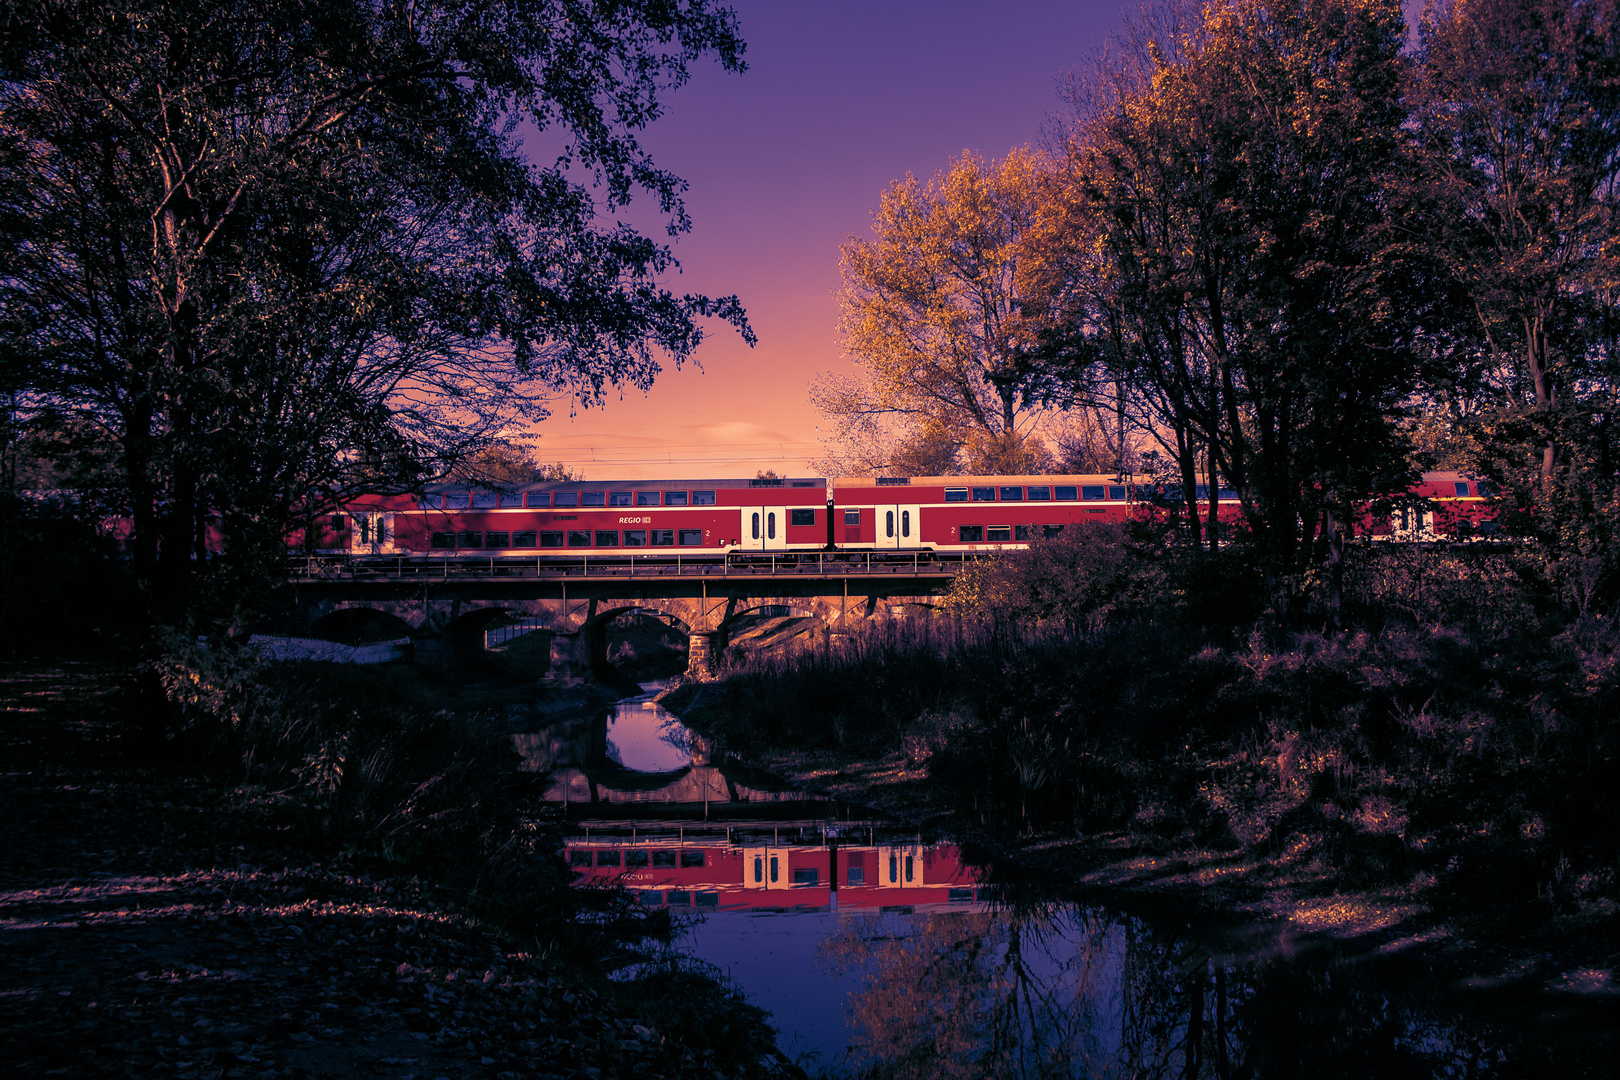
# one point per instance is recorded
(766, 874)
(713, 518)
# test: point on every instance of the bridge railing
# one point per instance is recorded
(340, 568)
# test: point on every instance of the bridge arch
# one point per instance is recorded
(594, 632)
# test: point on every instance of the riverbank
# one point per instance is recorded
(1404, 791)
(155, 920)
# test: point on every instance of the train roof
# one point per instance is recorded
(626, 485)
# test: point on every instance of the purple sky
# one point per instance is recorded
(787, 160)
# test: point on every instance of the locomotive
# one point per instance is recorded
(931, 516)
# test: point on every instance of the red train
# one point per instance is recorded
(934, 515)
(719, 875)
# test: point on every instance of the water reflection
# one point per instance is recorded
(642, 737)
(881, 953)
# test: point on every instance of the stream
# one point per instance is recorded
(881, 952)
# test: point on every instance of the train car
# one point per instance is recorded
(964, 515)
(689, 518)
(1443, 506)
(741, 877)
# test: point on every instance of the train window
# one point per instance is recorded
(1487, 490)
(802, 517)
(579, 858)
(987, 494)
(706, 899)
(365, 529)
(894, 874)
(675, 498)
(857, 875)
(960, 896)
(1116, 493)
(1040, 494)
(1012, 494)
(443, 540)
(498, 539)
(593, 498)
(905, 523)
(754, 524)
(663, 538)
(888, 523)
(566, 498)
(635, 538)
(971, 534)
(651, 898)
(338, 523)
(1065, 494)
(1092, 492)
(1020, 532)
(1200, 492)
(773, 869)
(1462, 491)
(759, 869)
(523, 538)
(664, 859)
(852, 517)
(694, 537)
(455, 500)
(1000, 532)
(607, 537)
(1228, 495)
(607, 858)
(956, 495)
(511, 500)
(691, 857)
(579, 538)
(634, 860)
(469, 539)
(807, 875)
(551, 539)
(1049, 531)
(485, 500)
(646, 498)
(702, 498)
(537, 498)
(770, 526)
(909, 861)
(618, 498)
(680, 898)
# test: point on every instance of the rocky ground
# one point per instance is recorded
(153, 924)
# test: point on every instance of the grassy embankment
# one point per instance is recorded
(231, 868)
(1447, 765)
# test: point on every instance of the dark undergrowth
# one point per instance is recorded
(1464, 730)
(357, 766)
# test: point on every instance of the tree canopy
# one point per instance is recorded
(946, 309)
(280, 249)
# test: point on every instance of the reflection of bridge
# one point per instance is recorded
(455, 601)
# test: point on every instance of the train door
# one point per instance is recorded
(900, 867)
(1412, 523)
(764, 528)
(897, 526)
(372, 534)
(766, 868)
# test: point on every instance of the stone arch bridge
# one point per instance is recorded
(448, 613)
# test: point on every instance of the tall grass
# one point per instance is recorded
(1467, 729)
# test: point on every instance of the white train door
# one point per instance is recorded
(372, 534)
(897, 527)
(766, 868)
(764, 528)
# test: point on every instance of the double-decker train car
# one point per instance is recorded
(665, 872)
(742, 519)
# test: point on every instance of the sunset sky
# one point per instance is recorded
(786, 161)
